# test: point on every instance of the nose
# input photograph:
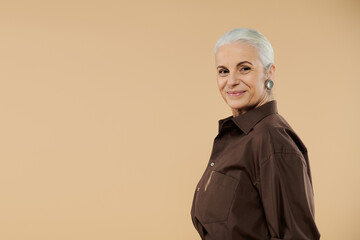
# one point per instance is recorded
(233, 80)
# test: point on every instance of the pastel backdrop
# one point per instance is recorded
(109, 109)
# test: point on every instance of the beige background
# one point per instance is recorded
(109, 110)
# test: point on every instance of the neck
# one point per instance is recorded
(267, 98)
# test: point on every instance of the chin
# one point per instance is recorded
(237, 104)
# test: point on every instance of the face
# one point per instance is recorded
(241, 77)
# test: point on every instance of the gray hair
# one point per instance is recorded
(252, 37)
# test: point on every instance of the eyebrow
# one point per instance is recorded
(237, 65)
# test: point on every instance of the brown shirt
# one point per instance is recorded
(257, 184)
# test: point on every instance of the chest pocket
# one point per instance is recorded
(215, 198)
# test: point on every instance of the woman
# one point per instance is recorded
(257, 184)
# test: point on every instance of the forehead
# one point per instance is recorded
(233, 53)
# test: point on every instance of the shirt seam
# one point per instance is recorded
(276, 153)
(262, 163)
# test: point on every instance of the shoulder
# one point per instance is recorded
(279, 135)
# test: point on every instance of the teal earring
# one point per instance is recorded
(269, 84)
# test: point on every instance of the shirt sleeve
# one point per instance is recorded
(287, 196)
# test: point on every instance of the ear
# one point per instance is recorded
(271, 72)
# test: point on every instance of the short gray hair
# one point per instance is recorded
(252, 37)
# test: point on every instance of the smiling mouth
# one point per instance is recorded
(235, 93)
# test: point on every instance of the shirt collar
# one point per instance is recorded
(248, 120)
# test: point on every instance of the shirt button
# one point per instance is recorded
(212, 164)
(198, 189)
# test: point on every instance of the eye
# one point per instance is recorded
(245, 69)
(223, 72)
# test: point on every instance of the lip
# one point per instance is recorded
(235, 93)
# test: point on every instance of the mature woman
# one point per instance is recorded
(257, 184)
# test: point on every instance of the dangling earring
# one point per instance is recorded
(269, 84)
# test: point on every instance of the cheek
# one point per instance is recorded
(255, 84)
(221, 83)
